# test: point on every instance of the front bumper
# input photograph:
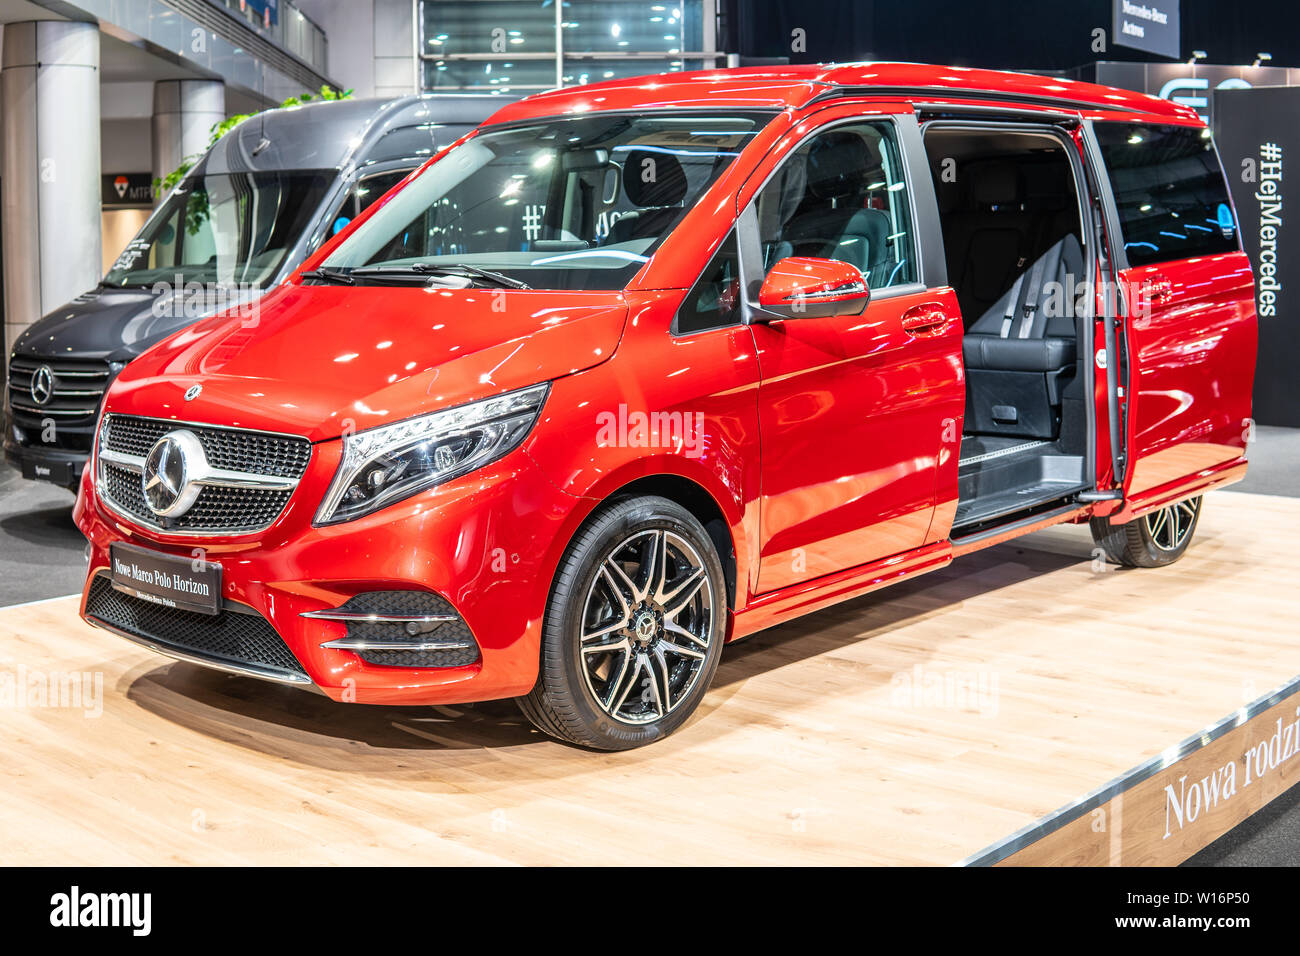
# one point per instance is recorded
(482, 544)
(58, 466)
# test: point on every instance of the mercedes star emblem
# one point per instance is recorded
(166, 479)
(42, 385)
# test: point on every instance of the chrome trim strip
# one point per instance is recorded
(821, 295)
(368, 617)
(225, 478)
(1002, 452)
(133, 463)
(15, 366)
(46, 410)
(360, 644)
(1002, 849)
(245, 670)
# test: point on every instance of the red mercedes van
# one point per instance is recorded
(640, 368)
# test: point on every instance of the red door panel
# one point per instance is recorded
(1191, 348)
(855, 415)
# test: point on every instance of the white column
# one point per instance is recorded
(184, 112)
(49, 184)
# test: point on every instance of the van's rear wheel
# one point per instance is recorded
(1156, 539)
(633, 629)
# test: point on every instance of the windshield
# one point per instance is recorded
(565, 204)
(228, 229)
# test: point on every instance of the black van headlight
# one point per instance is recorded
(383, 465)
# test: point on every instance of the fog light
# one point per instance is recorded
(401, 629)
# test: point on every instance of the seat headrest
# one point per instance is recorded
(995, 184)
(662, 182)
(1071, 257)
(838, 164)
(1047, 186)
(782, 196)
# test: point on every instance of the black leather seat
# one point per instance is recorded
(987, 236)
(1022, 330)
(660, 198)
(1018, 353)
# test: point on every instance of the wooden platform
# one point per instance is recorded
(842, 738)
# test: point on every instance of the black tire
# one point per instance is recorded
(567, 700)
(1152, 541)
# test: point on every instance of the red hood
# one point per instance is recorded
(318, 360)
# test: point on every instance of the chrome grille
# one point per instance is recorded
(246, 457)
(77, 388)
(255, 452)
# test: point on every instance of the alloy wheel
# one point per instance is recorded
(646, 626)
(1168, 528)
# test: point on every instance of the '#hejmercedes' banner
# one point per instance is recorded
(1258, 140)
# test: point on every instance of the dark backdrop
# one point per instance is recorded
(1002, 34)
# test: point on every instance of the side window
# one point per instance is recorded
(366, 191)
(842, 195)
(1169, 190)
(373, 187)
(714, 300)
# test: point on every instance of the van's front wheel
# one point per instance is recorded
(633, 629)
(1154, 540)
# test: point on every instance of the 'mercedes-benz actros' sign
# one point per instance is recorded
(1150, 25)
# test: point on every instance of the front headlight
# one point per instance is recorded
(386, 464)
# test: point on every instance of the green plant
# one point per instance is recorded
(165, 184)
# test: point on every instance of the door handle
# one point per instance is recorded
(927, 319)
(1159, 289)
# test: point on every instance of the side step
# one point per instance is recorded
(1013, 483)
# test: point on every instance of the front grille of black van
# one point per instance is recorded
(69, 398)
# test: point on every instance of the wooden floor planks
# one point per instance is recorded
(822, 741)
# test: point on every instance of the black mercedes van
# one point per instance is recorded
(257, 204)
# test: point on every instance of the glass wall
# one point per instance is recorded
(522, 46)
(284, 25)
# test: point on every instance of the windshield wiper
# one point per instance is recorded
(326, 274)
(435, 269)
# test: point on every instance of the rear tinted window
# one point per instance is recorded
(1173, 202)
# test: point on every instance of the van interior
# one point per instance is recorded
(1010, 213)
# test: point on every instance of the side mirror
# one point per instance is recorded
(802, 287)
